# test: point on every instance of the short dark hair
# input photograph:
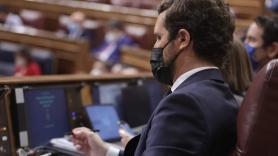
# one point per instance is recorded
(270, 29)
(25, 52)
(209, 23)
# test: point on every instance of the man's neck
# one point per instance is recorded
(188, 64)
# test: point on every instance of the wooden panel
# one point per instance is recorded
(9, 120)
(247, 8)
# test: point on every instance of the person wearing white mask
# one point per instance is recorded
(75, 26)
(114, 39)
(108, 54)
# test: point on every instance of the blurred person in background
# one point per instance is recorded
(9, 19)
(108, 53)
(25, 65)
(272, 5)
(261, 41)
(115, 39)
(237, 72)
(75, 27)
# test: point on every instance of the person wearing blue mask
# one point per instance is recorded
(272, 5)
(76, 30)
(261, 41)
(75, 27)
(197, 117)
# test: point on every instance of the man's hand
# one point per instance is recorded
(89, 142)
(125, 136)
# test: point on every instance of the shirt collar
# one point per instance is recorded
(186, 75)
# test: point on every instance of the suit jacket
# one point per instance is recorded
(197, 119)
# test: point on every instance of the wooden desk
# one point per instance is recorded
(248, 9)
(60, 79)
(11, 83)
(136, 57)
(72, 55)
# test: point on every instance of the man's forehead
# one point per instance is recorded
(255, 29)
(159, 22)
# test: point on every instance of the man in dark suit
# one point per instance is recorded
(198, 116)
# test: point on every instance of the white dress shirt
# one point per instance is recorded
(186, 75)
(113, 151)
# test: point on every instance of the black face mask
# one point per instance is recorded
(160, 70)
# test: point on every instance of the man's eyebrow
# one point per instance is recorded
(251, 37)
(157, 34)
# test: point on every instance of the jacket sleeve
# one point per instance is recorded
(178, 128)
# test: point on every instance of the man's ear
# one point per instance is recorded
(183, 39)
(272, 50)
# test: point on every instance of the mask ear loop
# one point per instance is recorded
(174, 59)
(167, 44)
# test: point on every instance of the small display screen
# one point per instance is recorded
(46, 114)
(105, 119)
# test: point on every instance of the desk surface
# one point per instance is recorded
(70, 78)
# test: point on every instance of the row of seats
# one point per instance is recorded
(144, 4)
(8, 50)
(96, 27)
(41, 21)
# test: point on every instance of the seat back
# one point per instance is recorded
(45, 59)
(257, 124)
